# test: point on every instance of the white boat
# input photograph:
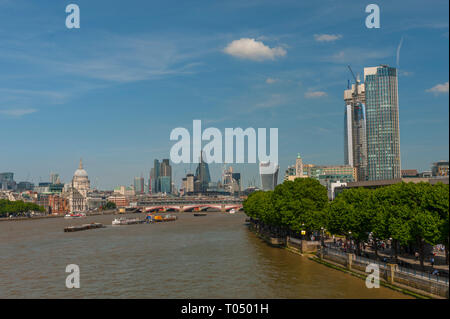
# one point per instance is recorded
(74, 215)
(125, 221)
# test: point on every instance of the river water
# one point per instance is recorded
(214, 256)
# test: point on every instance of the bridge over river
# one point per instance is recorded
(190, 204)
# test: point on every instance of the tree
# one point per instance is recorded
(110, 205)
(302, 204)
(18, 207)
(350, 215)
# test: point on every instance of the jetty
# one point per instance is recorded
(83, 227)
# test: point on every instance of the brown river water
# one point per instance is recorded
(214, 256)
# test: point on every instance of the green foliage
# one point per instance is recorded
(406, 212)
(350, 214)
(18, 207)
(299, 205)
(110, 205)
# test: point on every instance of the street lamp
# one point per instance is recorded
(323, 240)
(350, 238)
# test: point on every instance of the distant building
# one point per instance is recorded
(165, 184)
(250, 190)
(426, 174)
(190, 183)
(295, 171)
(54, 178)
(139, 185)
(268, 172)
(161, 177)
(347, 173)
(80, 180)
(410, 173)
(355, 143)
(119, 200)
(440, 168)
(124, 191)
(231, 182)
(77, 191)
(25, 186)
(202, 175)
(7, 181)
(52, 203)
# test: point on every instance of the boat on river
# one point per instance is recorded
(74, 215)
(200, 214)
(127, 221)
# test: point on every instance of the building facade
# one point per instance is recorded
(139, 185)
(440, 168)
(382, 123)
(268, 172)
(355, 143)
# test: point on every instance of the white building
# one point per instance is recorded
(77, 191)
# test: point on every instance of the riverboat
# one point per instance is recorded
(125, 221)
(74, 215)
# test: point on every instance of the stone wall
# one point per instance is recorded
(389, 272)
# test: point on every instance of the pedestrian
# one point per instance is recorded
(432, 261)
(417, 255)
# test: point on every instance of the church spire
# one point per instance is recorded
(81, 164)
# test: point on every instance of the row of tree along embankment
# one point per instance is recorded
(410, 218)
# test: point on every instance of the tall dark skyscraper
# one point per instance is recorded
(154, 176)
(382, 123)
(165, 178)
(202, 174)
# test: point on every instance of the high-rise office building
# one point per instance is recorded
(202, 174)
(382, 123)
(165, 184)
(269, 175)
(161, 177)
(154, 177)
(355, 143)
(139, 185)
(7, 181)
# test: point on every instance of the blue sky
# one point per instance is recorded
(112, 91)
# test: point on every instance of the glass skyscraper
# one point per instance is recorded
(382, 123)
(161, 177)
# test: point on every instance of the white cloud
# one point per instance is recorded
(251, 49)
(439, 88)
(327, 37)
(271, 80)
(315, 94)
(17, 112)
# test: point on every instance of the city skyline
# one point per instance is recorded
(117, 115)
